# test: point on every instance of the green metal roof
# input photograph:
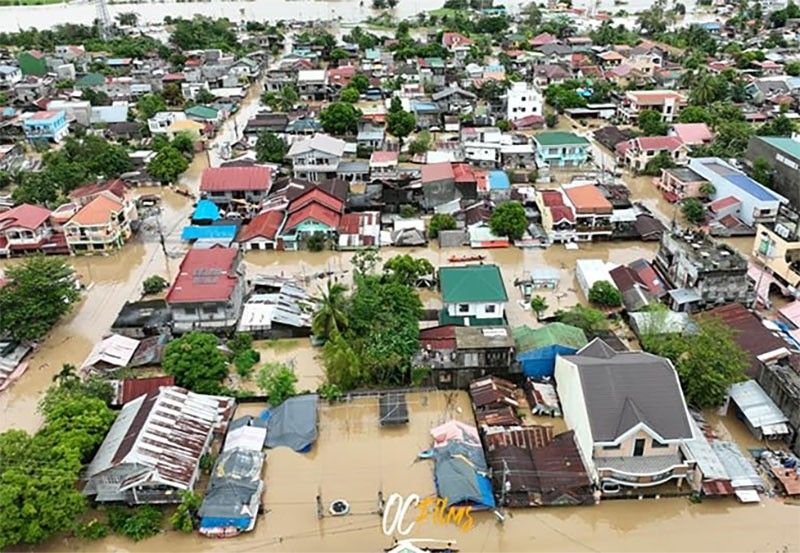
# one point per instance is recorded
(472, 283)
(528, 339)
(559, 138)
(203, 112)
(90, 80)
(786, 145)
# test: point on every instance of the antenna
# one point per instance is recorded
(103, 18)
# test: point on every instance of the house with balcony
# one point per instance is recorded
(316, 158)
(46, 126)
(383, 165)
(666, 102)
(776, 250)
(558, 218)
(629, 417)
(27, 229)
(591, 209)
(679, 183)
(557, 149)
(314, 211)
(312, 84)
(473, 295)
(101, 225)
(208, 292)
(638, 152)
(759, 204)
(236, 187)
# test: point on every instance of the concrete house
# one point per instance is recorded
(714, 272)
(103, 224)
(679, 183)
(261, 233)
(152, 451)
(50, 126)
(314, 211)
(9, 75)
(312, 84)
(438, 184)
(231, 187)
(473, 295)
(592, 211)
(758, 203)
(782, 154)
(27, 228)
(557, 149)
(667, 102)
(629, 416)
(316, 158)
(208, 292)
(523, 100)
(637, 152)
(776, 250)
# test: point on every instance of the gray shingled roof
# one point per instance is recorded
(622, 389)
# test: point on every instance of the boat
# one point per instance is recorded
(339, 507)
(462, 258)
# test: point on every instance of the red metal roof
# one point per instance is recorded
(135, 387)
(438, 337)
(318, 196)
(263, 225)
(317, 212)
(434, 172)
(463, 172)
(723, 203)
(552, 198)
(27, 216)
(383, 156)
(670, 143)
(350, 223)
(222, 179)
(174, 77)
(115, 186)
(205, 275)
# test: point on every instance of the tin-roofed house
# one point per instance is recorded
(629, 416)
(472, 295)
(152, 451)
(751, 404)
(232, 187)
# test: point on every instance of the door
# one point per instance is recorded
(638, 448)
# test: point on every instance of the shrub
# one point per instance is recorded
(605, 293)
(154, 284)
(136, 524)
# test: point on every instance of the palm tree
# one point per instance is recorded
(282, 100)
(539, 306)
(67, 375)
(330, 316)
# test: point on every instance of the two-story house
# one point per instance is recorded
(232, 187)
(316, 158)
(629, 416)
(558, 218)
(637, 152)
(25, 228)
(46, 126)
(557, 149)
(208, 291)
(592, 211)
(9, 75)
(312, 84)
(666, 102)
(776, 249)
(101, 225)
(313, 211)
(523, 100)
(383, 165)
(473, 295)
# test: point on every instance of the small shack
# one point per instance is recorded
(393, 409)
(754, 407)
(537, 348)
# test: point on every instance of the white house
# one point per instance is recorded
(163, 120)
(472, 294)
(522, 100)
(317, 157)
(628, 414)
(590, 271)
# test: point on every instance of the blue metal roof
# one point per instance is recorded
(498, 180)
(751, 187)
(206, 210)
(195, 232)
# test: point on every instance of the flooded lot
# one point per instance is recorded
(354, 458)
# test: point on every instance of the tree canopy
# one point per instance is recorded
(651, 123)
(277, 381)
(168, 164)
(604, 293)
(509, 219)
(270, 148)
(588, 319)
(694, 210)
(340, 118)
(407, 269)
(440, 222)
(40, 290)
(196, 362)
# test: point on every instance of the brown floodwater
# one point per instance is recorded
(355, 458)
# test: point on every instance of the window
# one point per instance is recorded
(463, 308)
(611, 447)
(657, 444)
(638, 447)
(209, 310)
(490, 308)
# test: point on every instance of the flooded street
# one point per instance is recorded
(355, 458)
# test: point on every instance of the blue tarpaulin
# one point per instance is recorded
(206, 210)
(498, 180)
(219, 232)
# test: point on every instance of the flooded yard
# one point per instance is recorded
(355, 458)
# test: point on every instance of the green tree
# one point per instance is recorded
(148, 105)
(337, 55)
(282, 100)
(136, 524)
(204, 96)
(762, 172)
(591, 321)
(792, 68)
(196, 362)
(154, 284)
(440, 222)
(167, 165)
(400, 123)
(604, 293)
(270, 148)
(360, 82)
(421, 143)
(128, 19)
(695, 114)
(365, 260)
(277, 381)
(406, 269)
(651, 123)
(564, 96)
(331, 313)
(693, 210)
(509, 219)
(342, 364)
(538, 305)
(780, 126)
(655, 165)
(317, 241)
(349, 95)
(340, 118)
(183, 519)
(708, 361)
(183, 142)
(39, 291)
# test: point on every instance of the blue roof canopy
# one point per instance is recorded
(498, 180)
(206, 210)
(751, 187)
(195, 232)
